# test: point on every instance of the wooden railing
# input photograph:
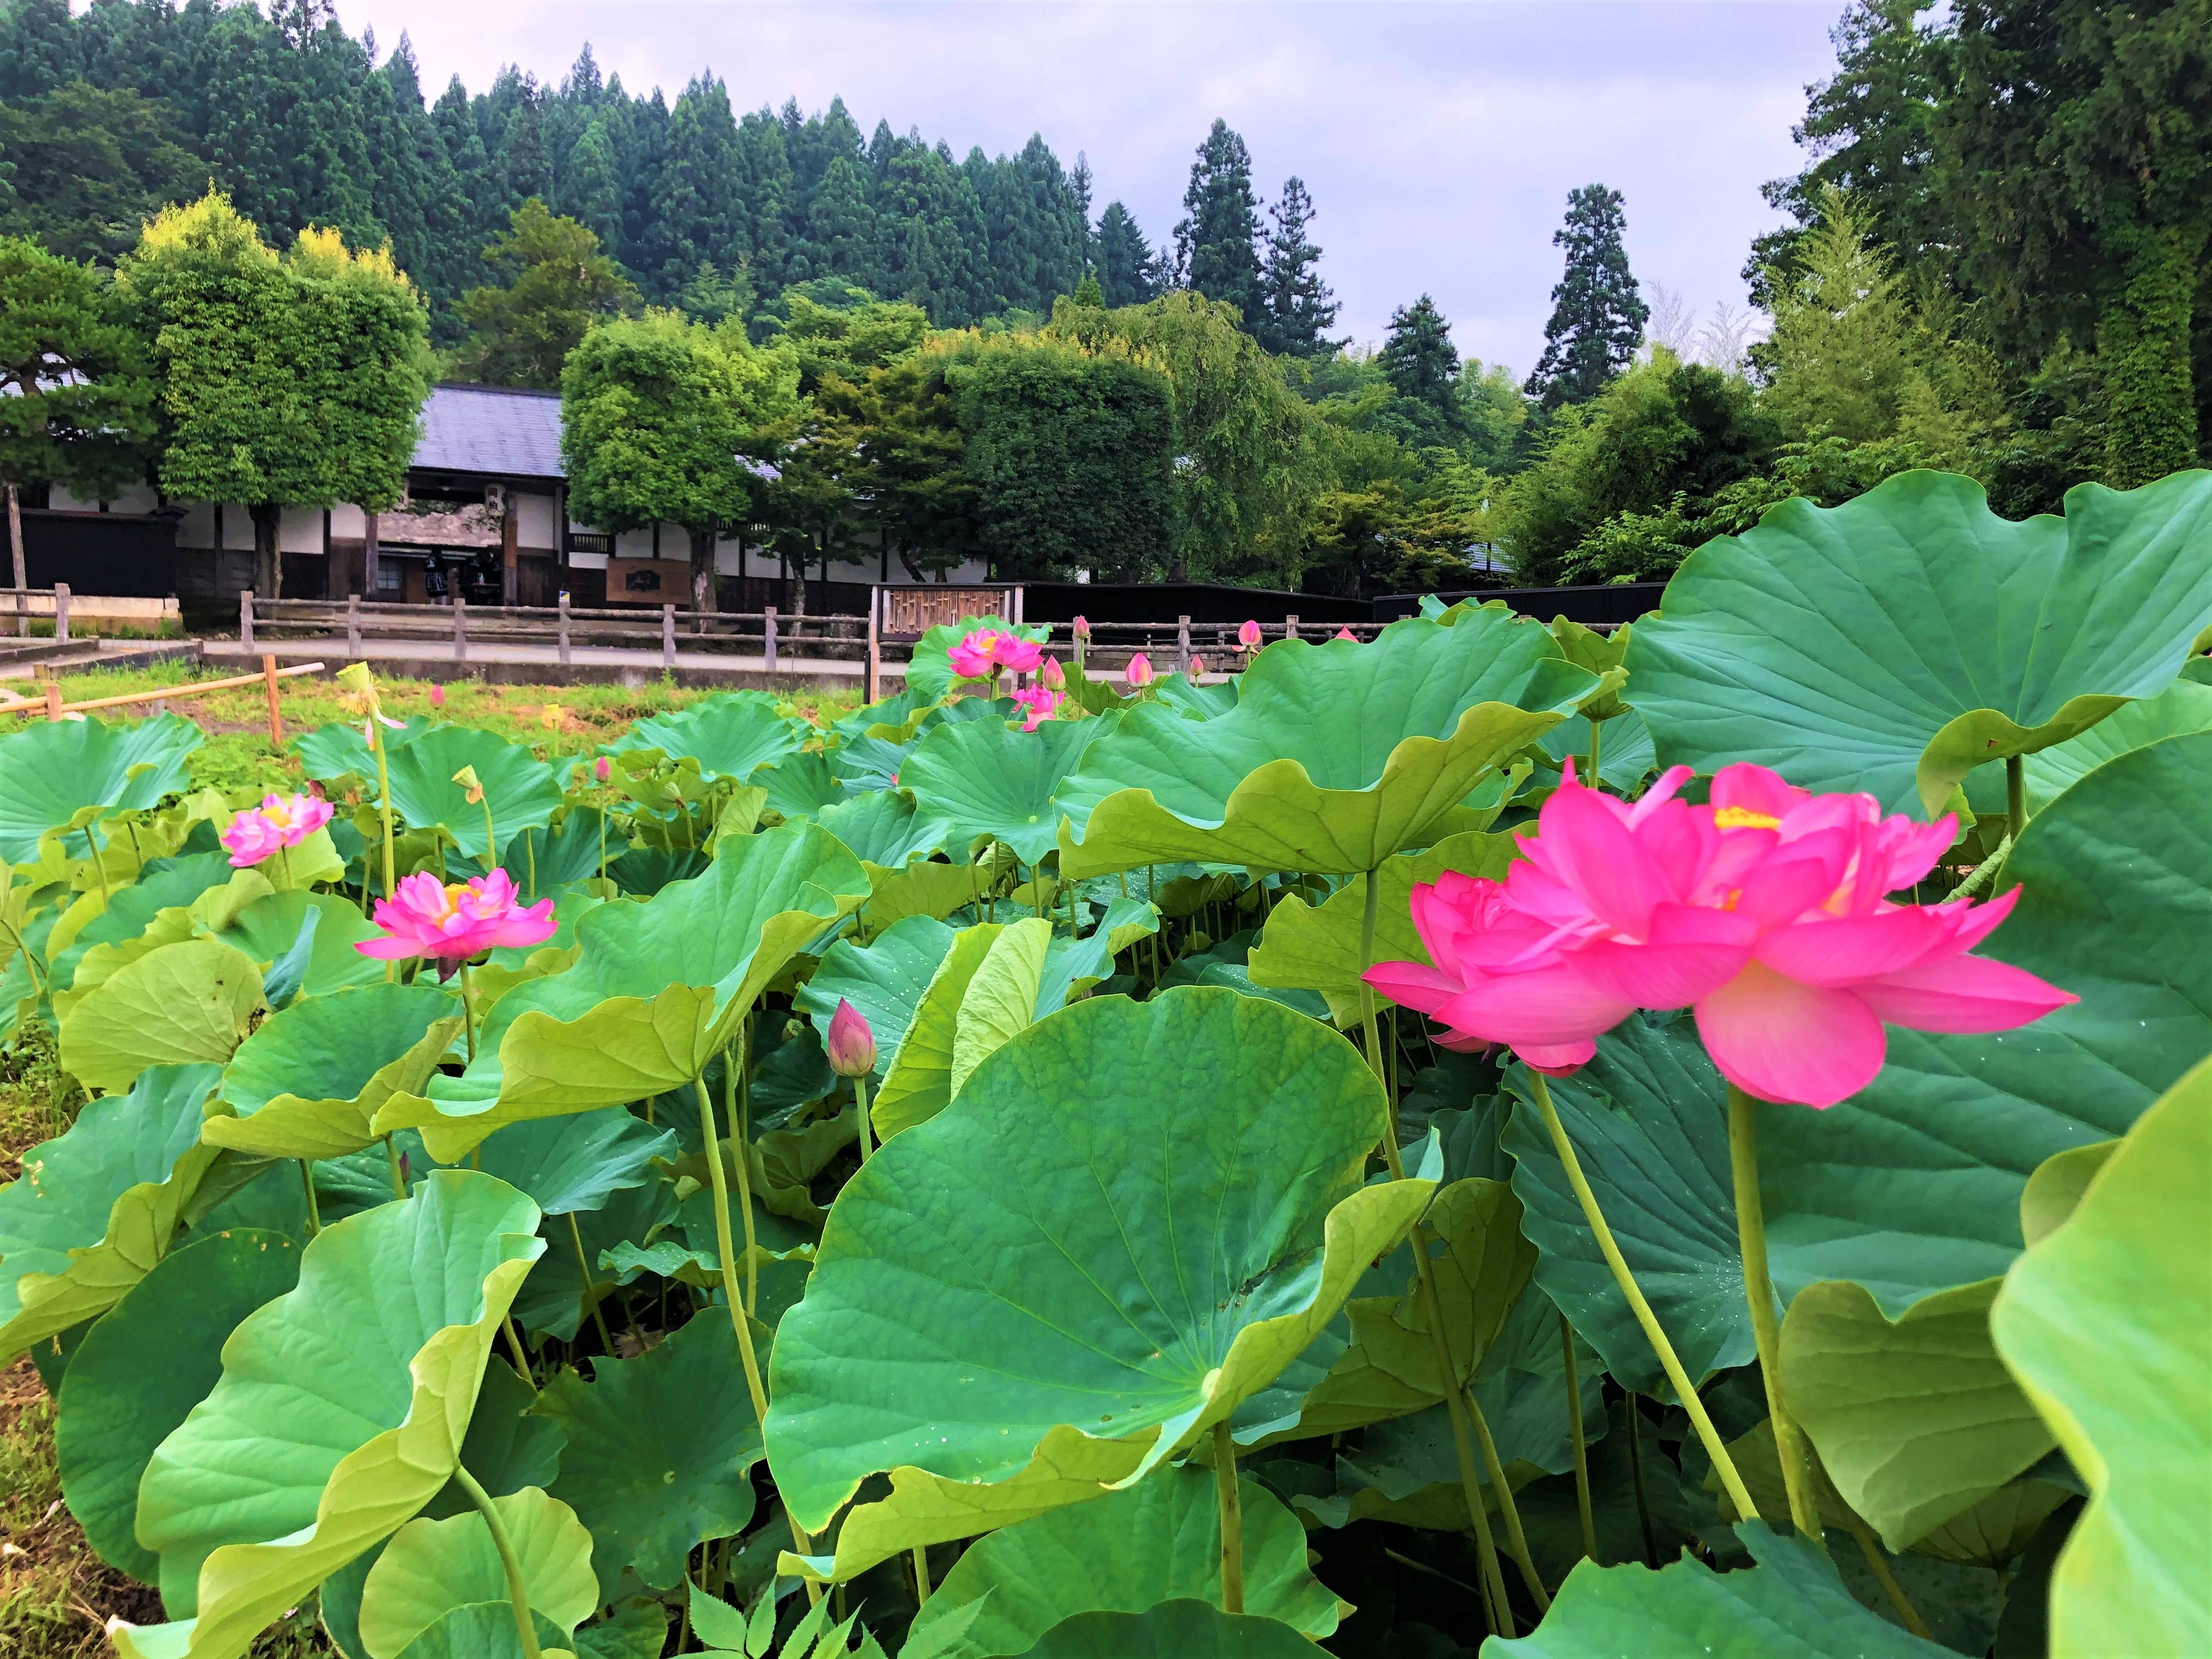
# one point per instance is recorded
(49, 700)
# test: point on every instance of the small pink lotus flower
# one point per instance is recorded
(1082, 626)
(452, 922)
(602, 768)
(1197, 669)
(1051, 673)
(988, 652)
(1248, 635)
(1347, 634)
(1139, 673)
(851, 1045)
(1039, 704)
(380, 718)
(1766, 912)
(437, 696)
(280, 821)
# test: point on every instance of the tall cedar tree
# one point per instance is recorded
(1215, 240)
(1597, 315)
(558, 284)
(1417, 357)
(1299, 306)
(1129, 270)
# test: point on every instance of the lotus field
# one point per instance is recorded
(1500, 1138)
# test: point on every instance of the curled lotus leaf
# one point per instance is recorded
(185, 1004)
(52, 770)
(429, 1568)
(1335, 757)
(1204, 1153)
(884, 979)
(987, 778)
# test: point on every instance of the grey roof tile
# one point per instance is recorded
(493, 430)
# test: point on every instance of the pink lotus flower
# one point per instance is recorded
(1039, 704)
(1051, 673)
(1766, 911)
(988, 652)
(279, 822)
(1139, 673)
(454, 921)
(1020, 655)
(1347, 634)
(601, 770)
(1247, 636)
(1082, 626)
(851, 1045)
(437, 696)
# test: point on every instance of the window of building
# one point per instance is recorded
(390, 578)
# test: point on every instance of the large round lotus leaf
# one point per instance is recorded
(333, 750)
(1158, 1541)
(275, 930)
(431, 1567)
(309, 1081)
(2107, 1323)
(163, 884)
(1914, 1184)
(882, 828)
(1174, 1630)
(521, 790)
(1916, 1421)
(341, 1411)
(728, 735)
(150, 1360)
(800, 786)
(883, 980)
(659, 1448)
(1791, 1606)
(1335, 757)
(95, 1208)
(657, 990)
(929, 675)
(1316, 947)
(986, 778)
(1133, 1218)
(184, 1004)
(578, 1162)
(51, 770)
(1894, 643)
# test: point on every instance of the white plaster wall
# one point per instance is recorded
(534, 520)
(349, 522)
(300, 530)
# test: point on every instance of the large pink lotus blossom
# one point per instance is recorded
(279, 822)
(1766, 912)
(1039, 704)
(453, 922)
(988, 652)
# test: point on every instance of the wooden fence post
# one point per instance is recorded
(275, 719)
(353, 624)
(668, 636)
(768, 638)
(460, 628)
(1289, 627)
(53, 691)
(875, 644)
(564, 628)
(1182, 645)
(61, 613)
(245, 617)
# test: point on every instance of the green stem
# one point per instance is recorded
(398, 1176)
(728, 1251)
(735, 1099)
(383, 789)
(1367, 1005)
(521, 1354)
(920, 1574)
(584, 1263)
(1758, 1290)
(468, 1012)
(1597, 727)
(284, 861)
(308, 1183)
(1516, 1539)
(517, 1591)
(530, 848)
(1635, 1479)
(2015, 796)
(1878, 1564)
(1232, 1519)
(491, 842)
(861, 1100)
(1582, 1446)
(1684, 1390)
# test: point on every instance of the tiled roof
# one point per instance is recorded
(491, 430)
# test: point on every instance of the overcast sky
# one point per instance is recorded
(1439, 141)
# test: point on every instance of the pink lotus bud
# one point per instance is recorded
(1198, 668)
(852, 1045)
(1139, 673)
(1051, 673)
(437, 696)
(1082, 628)
(1247, 636)
(1347, 634)
(600, 768)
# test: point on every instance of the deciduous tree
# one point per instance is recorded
(558, 284)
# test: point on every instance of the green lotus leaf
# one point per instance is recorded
(565, 1164)
(884, 979)
(1916, 1420)
(929, 675)
(918, 1082)
(1158, 1541)
(2183, 707)
(521, 790)
(987, 778)
(431, 1567)
(1133, 1217)
(729, 734)
(1791, 1606)
(2108, 1325)
(52, 770)
(333, 750)
(1603, 654)
(657, 990)
(1914, 1184)
(1182, 1629)
(800, 785)
(341, 1412)
(1192, 701)
(182, 1005)
(1316, 948)
(163, 884)
(483, 1630)
(658, 1450)
(896, 710)
(556, 1299)
(927, 887)
(95, 1208)
(1335, 757)
(1894, 643)
(1625, 755)
(882, 828)
(144, 1365)
(634, 1629)
(2054, 1191)
(269, 929)
(1001, 1000)
(308, 1082)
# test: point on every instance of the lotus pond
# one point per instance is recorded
(1500, 1138)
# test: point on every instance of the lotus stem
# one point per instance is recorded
(530, 851)
(518, 1592)
(1232, 1519)
(734, 1103)
(468, 1012)
(491, 842)
(1710, 1436)
(861, 1100)
(1878, 1564)
(584, 1262)
(285, 860)
(1581, 1446)
(724, 1246)
(920, 1574)
(383, 788)
(398, 1175)
(1516, 1539)
(2016, 795)
(1596, 729)
(308, 1185)
(1750, 1235)
(1367, 1019)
